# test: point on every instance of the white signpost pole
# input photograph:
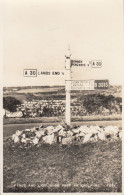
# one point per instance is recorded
(67, 88)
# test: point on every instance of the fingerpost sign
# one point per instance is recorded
(80, 84)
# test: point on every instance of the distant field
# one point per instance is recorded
(114, 90)
(54, 93)
(40, 90)
(34, 90)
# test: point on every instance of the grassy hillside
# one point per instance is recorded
(56, 92)
(83, 103)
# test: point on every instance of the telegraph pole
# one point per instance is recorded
(67, 87)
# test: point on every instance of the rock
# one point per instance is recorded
(120, 135)
(81, 134)
(67, 140)
(27, 129)
(58, 128)
(69, 134)
(101, 136)
(95, 138)
(23, 136)
(74, 138)
(84, 129)
(111, 130)
(49, 130)
(94, 129)
(39, 133)
(23, 140)
(77, 135)
(91, 139)
(62, 133)
(87, 138)
(33, 129)
(15, 138)
(35, 141)
(75, 131)
(49, 139)
(18, 132)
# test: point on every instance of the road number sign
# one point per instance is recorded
(101, 84)
(30, 72)
(96, 63)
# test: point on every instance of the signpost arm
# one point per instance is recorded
(67, 88)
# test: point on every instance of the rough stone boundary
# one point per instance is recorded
(65, 135)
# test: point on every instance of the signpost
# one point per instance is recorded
(68, 77)
(72, 84)
(80, 84)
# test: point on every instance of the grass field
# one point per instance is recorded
(92, 167)
(61, 118)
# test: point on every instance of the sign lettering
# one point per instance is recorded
(91, 63)
(101, 84)
(36, 73)
(96, 63)
(30, 73)
(87, 84)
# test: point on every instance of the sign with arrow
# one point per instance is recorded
(91, 63)
(87, 84)
(36, 73)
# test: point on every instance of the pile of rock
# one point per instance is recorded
(60, 134)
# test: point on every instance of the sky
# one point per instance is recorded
(37, 34)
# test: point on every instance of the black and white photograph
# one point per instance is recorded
(62, 96)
